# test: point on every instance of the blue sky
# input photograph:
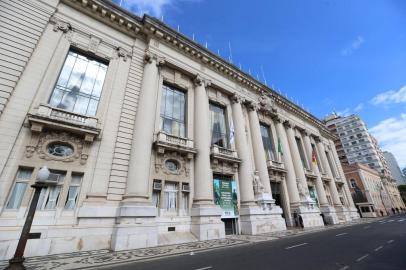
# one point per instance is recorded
(342, 55)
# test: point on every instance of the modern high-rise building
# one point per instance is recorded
(394, 168)
(354, 143)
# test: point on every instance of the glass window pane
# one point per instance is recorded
(163, 100)
(78, 74)
(56, 97)
(17, 195)
(81, 105)
(98, 86)
(69, 99)
(24, 173)
(169, 104)
(72, 197)
(92, 109)
(90, 78)
(66, 70)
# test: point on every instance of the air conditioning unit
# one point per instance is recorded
(157, 186)
(54, 177)
(185, 188)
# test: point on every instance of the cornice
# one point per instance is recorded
(149, 27)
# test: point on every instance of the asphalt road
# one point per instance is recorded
(373, 246)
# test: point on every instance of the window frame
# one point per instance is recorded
(90, 57)
(165, 87)
(226, 124)
(270, 154)
(17, 180)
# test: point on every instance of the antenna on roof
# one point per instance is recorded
(263, 75)
(121, 1)
(193, 36)
(230, 57)
(178, 27)
(206, 45)
(249, 71)
(257, 77)
(162, 18)
(240, 66)
(218, 52)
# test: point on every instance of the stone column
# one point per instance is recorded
(203, 186)
(326, 166)
(286, 203)
(206, 216)
(137, 214)
(287, 161)
(140, 161)
(255, 218)
(319, 182)
(259, 152)
(297, 162)
(245, 168)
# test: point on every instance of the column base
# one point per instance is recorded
(259, 219)
(136, 228)
(310, 216)
(343, 214)
(330, 215)
(206, 222)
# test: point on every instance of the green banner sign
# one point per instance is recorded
(225, 195)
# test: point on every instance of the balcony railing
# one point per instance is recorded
(47, 115)
(166, 141)
(221, 153)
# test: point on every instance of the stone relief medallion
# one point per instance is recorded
(172, 163)
(58, 146)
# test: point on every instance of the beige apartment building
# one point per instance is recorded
(152, 138)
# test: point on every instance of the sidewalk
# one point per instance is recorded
(100, 258)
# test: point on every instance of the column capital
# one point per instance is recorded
(288, 123)
(199, 81)
(236, 98)
(150, 57)
(252, 106)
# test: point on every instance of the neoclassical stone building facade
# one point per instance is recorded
(151, 138)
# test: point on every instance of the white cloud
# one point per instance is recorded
(345, 112)
(150, 7)
(355, 45)
(391, 134)
(391, 96)
(359, 107)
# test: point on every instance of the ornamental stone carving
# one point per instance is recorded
(236, 98)
(123, 53)
(59, 25)
(181, 161)
(44, 145)
(94, 44)
(257, 184)
(266, 104)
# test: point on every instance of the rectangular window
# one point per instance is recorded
(219, 126)
(49, 196)
(79, 84)
(170, 196)
(301, 152)
(21, 183)
(267, 142)
(73, 191)
(173, 103)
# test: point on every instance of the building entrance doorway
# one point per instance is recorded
(230, 225)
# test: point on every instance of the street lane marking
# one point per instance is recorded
(204, 268)
(299, 245)
(344, 268)
(401, 220)
(378, 248)
(366, 227)
(361, 258)
(392, 220)
(341, 234)
(390, 241)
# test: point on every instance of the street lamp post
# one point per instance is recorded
(16, 263)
